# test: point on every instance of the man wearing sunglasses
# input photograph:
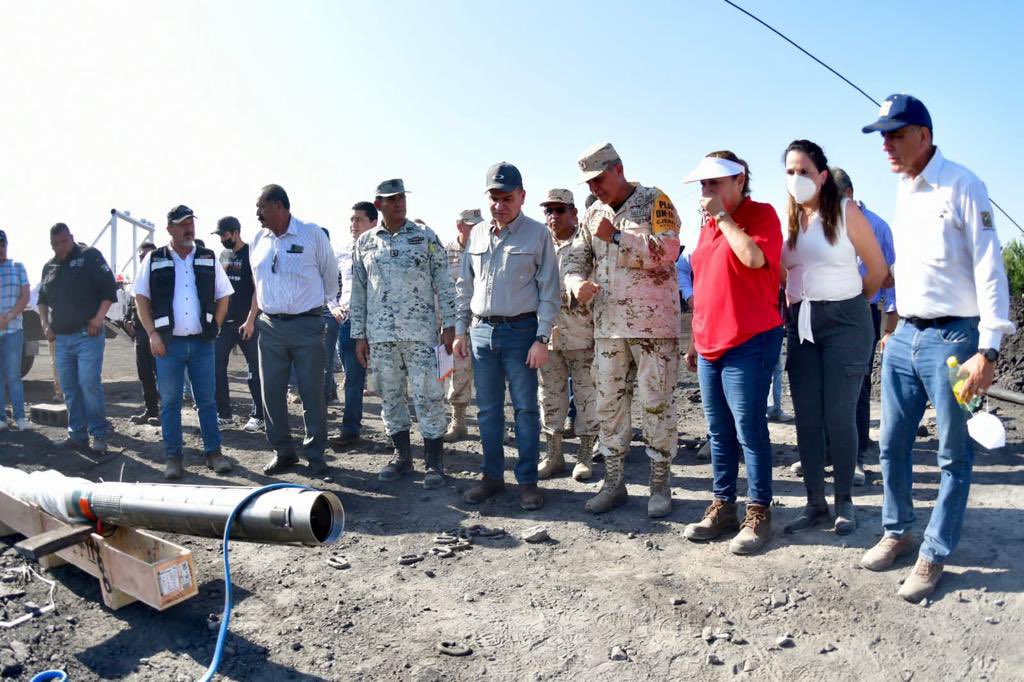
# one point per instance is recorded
(570, 354)
(623, 259)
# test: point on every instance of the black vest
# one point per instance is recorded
(161, 290)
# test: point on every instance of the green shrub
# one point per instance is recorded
(1013, 257)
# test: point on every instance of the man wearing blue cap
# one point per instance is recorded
(953, 299)
(508, 298)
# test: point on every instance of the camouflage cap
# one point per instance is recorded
(594, 161)
(558, 196)
(390, 188)
(471, 216)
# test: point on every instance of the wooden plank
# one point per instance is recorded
(38, 546)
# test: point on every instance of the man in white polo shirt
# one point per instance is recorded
(953, 300)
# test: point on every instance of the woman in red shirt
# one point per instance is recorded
(737, 336)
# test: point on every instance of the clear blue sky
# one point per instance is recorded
(141, 106)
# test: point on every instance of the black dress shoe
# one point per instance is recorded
(342, 440)
(280, 463)
(145, 417)
(318, 468)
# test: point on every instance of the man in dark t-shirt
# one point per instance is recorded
(237, 329)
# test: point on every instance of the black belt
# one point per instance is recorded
(284, 317)
(501, 319)
(928, 322)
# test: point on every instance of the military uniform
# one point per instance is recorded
(636, 319)
(460, 385)
(395, 278)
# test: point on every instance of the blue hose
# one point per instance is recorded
(222, 634)
(50, 676)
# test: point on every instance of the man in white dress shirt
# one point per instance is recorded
(182, 295)
(295, 272)
(953, 300)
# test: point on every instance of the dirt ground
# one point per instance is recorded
(617, 596)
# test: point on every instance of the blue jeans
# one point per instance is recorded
(10, 373)
(331, 351)
(80, 369)
(734, 389)
(499, 353)
(197, 356)
(775, 406)
(914, 373)
(355, 381)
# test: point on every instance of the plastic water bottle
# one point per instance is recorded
(957, 376)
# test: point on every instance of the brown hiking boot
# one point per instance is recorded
(755, 530)
(584, 468)
(921, 582)
(553, 462)
(482, 489)
(457, 426)
(660, 502)
(218, 462)
(719, 518)
(613, 489)
(530, 497)
(886, 551)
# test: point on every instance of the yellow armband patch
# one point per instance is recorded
(663, 215)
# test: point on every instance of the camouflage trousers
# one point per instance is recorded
(554, 390)
(654, 364)
(460, 383)
(395, 362)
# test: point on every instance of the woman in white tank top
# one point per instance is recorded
(830, 332)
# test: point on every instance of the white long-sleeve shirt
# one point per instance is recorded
(948, 258)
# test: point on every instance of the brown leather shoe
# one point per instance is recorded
(530, 497)
(719, 518)
(484, 488)
(755, 531)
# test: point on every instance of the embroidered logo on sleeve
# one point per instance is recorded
(663, 216)
(986, 220)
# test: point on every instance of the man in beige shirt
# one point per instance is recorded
(570, 354)
(460, 385)
(623, 260)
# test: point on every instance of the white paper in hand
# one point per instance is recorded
(445, 362)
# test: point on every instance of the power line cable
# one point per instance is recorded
(845, 80)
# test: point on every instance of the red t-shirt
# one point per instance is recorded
(731, 302)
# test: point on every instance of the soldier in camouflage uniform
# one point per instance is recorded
(623, 260)
(399, 270)
(460, 384)
(570, 353)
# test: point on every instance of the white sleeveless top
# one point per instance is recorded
(819, 271)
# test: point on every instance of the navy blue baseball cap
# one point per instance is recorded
(504, 176)
(898, 111)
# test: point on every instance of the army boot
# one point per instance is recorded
(553, 461)
(433, 450)
(613, 488)
(457, 426)
(584, 459)
(401, 461)
(660, 502)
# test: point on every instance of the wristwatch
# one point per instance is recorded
(543, 339)
(991, 354)
(721, 215)
(617, 236)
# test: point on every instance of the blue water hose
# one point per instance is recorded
(222, 633)
(50, 676)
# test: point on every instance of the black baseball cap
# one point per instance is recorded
(228, 223)
(3, 236)
(504, 176)
(179, 213)
(898, 111)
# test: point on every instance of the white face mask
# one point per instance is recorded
(801, 188)
(987, 430)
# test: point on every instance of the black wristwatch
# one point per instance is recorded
(543, 339)
(991, 354)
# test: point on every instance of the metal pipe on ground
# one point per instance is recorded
(1006, 395)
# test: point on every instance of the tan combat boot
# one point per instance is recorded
(755, 531)
(613, 489)
(584, 459)
(660, 502)
(553, 462)
(457, 426)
